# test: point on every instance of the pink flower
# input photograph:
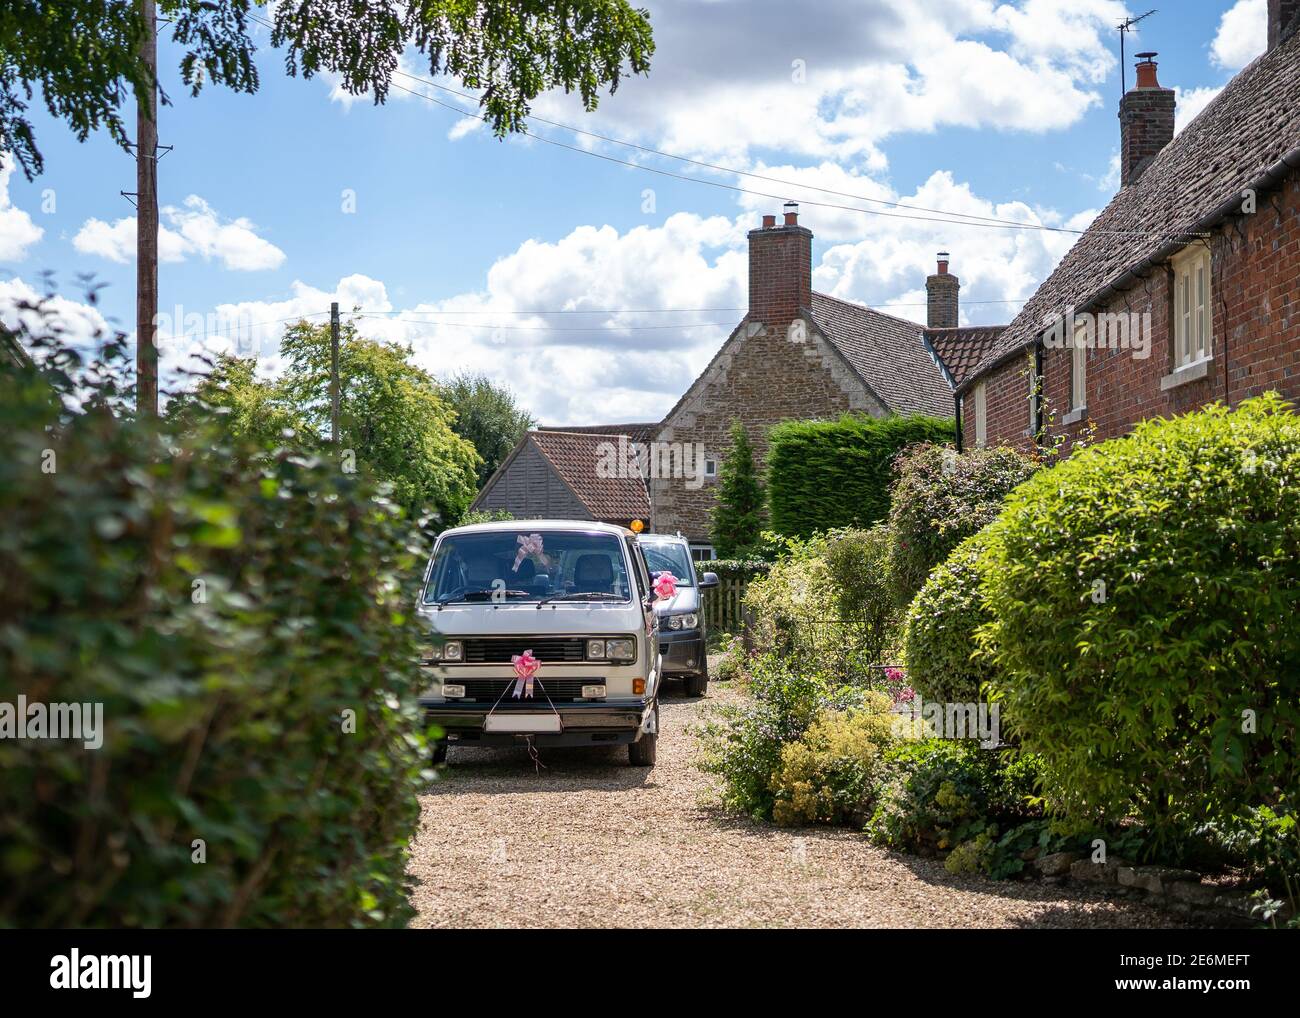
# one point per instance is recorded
(665, 586)
(894, 675)
(905, 695)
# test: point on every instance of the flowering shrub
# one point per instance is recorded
(829, 775)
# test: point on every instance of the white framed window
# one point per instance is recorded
(702, 552)
(1193, 315)
(980, 411)
(710, 467)
(1079, 369)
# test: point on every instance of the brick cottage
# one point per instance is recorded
(1185, 290)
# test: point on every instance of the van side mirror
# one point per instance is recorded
(708, 580)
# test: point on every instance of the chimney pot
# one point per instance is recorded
(1146, 71)
(791, 213)
(769, 222)
(943, 263)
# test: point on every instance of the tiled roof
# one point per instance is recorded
(961, 350)
(576, 458)
(635, 432)
(887, 353)
(1237, 140)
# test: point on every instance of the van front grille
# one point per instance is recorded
(500, 649)
(492, 690)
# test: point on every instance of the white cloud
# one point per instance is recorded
(1242, 34)
(17, 231)
(599, 367)
(195, 229)
(841, 77)
(77, 323)
(1190, 103)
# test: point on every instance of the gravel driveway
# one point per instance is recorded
(589, 841)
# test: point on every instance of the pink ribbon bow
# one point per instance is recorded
(665, 586)
(525, 668)
(529, 544)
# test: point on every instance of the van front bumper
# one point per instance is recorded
(683, 652)
(608, 722)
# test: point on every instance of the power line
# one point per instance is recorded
(564, 311)
(538, 328)
(940, 216)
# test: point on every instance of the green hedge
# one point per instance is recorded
(940, 498)
(1145, 602)
(828, 474)
(939, 645)
(226, 608)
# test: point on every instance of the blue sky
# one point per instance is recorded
(1002, 109)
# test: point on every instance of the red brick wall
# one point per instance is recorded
(1256, 299)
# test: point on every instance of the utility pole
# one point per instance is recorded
(334, 372)
(1125, 27)
(146, 240)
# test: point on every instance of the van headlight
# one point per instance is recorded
(611, 650)
(688, 621)
(451, 650)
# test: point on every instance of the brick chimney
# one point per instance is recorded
(941, 297)
(1283, 20)
(780, 269)
(1146, 121)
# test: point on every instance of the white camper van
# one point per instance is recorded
(541, 632)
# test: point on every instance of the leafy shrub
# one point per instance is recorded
(1263, 840)
(829, 775)
(940, 498)
(1143, 598)
(226, 608)
(742, 743)
(944, 662)
(827, 603)
(737, 514)
(938, 793)
(828, 474)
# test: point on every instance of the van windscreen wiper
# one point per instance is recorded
(582, 595)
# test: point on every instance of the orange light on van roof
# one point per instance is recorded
(637, 526)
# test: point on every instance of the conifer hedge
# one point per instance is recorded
(824, 475)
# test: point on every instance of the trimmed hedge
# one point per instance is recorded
(828, 474)
(1145, 600)
(231, 611)
(940, 498)
(939, 645)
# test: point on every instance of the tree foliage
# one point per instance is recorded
(738, 512)
(393, 422)
(241, 618)
(83, 55)
(487, 415)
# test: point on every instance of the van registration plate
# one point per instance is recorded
(523, 723)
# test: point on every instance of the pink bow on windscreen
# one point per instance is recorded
(525, 668)
(529, 544)
(665, 586)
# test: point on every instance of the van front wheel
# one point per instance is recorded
(642, 753)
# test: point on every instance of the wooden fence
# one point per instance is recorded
(723, 604)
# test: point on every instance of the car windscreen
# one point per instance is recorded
(668, 557)
(523, 565)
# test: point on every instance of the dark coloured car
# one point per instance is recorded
(682, 633)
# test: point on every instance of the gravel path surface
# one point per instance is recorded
(590, 841)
